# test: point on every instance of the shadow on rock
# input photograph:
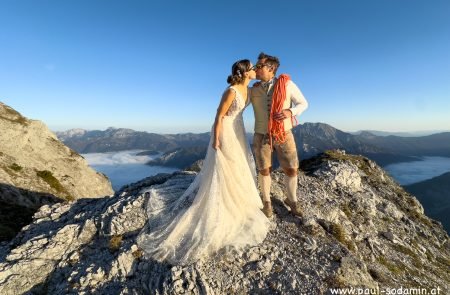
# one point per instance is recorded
(17, 207)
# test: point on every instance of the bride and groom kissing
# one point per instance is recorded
(222, 207)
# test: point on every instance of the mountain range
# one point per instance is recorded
(311, 139)
(120, 139)
(402, 134)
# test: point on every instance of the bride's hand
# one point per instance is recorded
(216, 144)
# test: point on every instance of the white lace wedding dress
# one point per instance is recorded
(221, 208)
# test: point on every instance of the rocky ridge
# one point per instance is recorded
(361, 229)
(37, 169)
(33, 158)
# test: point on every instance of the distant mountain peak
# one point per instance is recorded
(319, 128)
(366, 134)
(75, 132)
(319, 125)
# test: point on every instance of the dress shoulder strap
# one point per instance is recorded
(234, 89)
(238, 93)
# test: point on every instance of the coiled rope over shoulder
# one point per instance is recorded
(276, 128)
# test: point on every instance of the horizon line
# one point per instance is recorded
(431, 131)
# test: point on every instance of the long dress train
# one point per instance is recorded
(220, 208)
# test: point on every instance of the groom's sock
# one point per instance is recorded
(291, 187)
(264, 185)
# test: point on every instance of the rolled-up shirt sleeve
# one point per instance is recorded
(297, 98)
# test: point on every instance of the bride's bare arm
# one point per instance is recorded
(227, 99)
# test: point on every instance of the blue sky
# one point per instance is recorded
(161, 66)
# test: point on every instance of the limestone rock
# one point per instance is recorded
(36, 168)
(348, 238)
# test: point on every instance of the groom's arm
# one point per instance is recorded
(300, 103)
(297, 97)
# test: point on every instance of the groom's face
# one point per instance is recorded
(264, 71)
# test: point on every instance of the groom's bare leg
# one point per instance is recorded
(265, 181)
(291, 183)
(263, 157)
(287, 155)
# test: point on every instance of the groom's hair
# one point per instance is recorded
(271, 60)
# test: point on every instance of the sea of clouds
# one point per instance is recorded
(410, 172)
(117, 158)
(124, 167)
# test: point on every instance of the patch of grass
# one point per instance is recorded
(75, 286)
(335, 281)
(377, 275)
(273, 285)
(392, 267)
(69, 198)
(138, 254)
(277, 268)
(48, 177)
(399, 191)
(420, 217)
(15, 167)
(9, 171)
(425, 274)
(115, 242)
(445, 261)
(73, 153)
(414, 272)
(339, 233)
(429, 256)
(346, 209)
(18, 118)
(359, 161)
(404, 250)
(54, 183)
(409, 252)
(411, 201)
(414, 243)
(386, 218)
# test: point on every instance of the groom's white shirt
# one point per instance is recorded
(261, 101)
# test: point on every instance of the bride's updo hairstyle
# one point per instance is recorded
(237, 71)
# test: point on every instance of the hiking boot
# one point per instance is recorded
(295, 208)
(267, 209)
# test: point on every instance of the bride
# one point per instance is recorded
(221, 208)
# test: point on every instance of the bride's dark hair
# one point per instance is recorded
(237, 71)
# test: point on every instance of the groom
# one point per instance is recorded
(275, 106)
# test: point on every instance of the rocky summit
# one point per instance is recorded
(37, 169)
(360, 230)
